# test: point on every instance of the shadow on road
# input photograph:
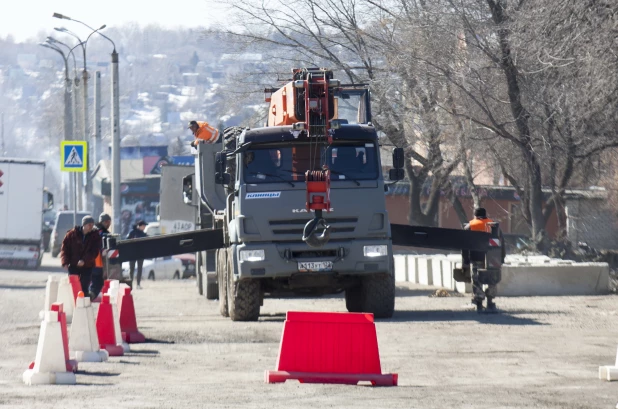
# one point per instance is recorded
(414, 292)
(97, 373)
(144, 353)
(502, 318)
(156, 341)
(274, 317)
(21, 287)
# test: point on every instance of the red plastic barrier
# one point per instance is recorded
(329, 347)
(62, 317)
(128, 322)
(105, 329)
(76, 285)
(106, 284)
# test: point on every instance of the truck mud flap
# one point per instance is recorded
(169, 245)
(439, 238)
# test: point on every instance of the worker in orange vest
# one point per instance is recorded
(203, 132)
(480, 223)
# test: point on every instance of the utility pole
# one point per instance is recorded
(116, 199)
(77, 181)
(96, 154)
(96, 146)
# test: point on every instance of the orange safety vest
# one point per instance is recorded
(480, 225)
(207, 133)
(98, 262)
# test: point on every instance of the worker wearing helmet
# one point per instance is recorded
(203, 132)
(480, 223)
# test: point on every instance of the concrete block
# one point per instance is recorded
(447, 274)
(436, 270)
(413, 269)
(401, 268)
(425, 274)
(554, 279)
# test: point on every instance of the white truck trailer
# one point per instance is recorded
(23, 200)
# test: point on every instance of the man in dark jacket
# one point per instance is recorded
(80, 248)
(137, 233)
(105, 221)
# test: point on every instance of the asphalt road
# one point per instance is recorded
(541, 352)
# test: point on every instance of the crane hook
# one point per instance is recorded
(310, 232)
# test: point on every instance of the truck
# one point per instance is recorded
(297, 206)
(23, 200)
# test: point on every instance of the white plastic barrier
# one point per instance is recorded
(436, 270)
(401, 269)
(447, 274)
(413, 269)
(425, 274)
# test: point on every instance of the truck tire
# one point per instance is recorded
(210, 286)
(212, 290)
(353, 299)
(243, 296)
(198, 276)
(222, 282)
(378, 295)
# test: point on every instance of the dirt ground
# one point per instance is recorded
(541, 352)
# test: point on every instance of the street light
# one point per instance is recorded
(52, 41)
(68, 115)
(80, 181)
(116, 198)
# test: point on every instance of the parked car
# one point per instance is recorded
(188, 262)
(162, 268)
(63, 223)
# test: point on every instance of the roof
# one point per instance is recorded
(24, 161)
(130, 169)
(284, 134)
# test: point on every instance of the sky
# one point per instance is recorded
(23, 19)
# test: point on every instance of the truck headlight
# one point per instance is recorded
(375, 251)
(251, 255)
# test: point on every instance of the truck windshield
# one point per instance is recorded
(288, 163)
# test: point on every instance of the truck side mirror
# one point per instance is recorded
(187, 189)
(396, 174)
(221, 177)
(398, 158)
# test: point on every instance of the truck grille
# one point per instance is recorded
(295, 226)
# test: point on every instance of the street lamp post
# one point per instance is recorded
(85, 131)
(116, 177)
(76, 130)
(68, 115)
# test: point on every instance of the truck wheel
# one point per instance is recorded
(378, 295)
(198, 275)
(353, 299)
(243, 296)
(212, 289)
(222, 282)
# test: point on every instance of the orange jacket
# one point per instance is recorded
(480, 225)
(206, 132)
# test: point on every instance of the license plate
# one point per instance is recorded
(305, 266)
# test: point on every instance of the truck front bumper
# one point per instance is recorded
(282, 259)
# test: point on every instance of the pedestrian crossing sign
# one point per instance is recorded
(73, 156)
